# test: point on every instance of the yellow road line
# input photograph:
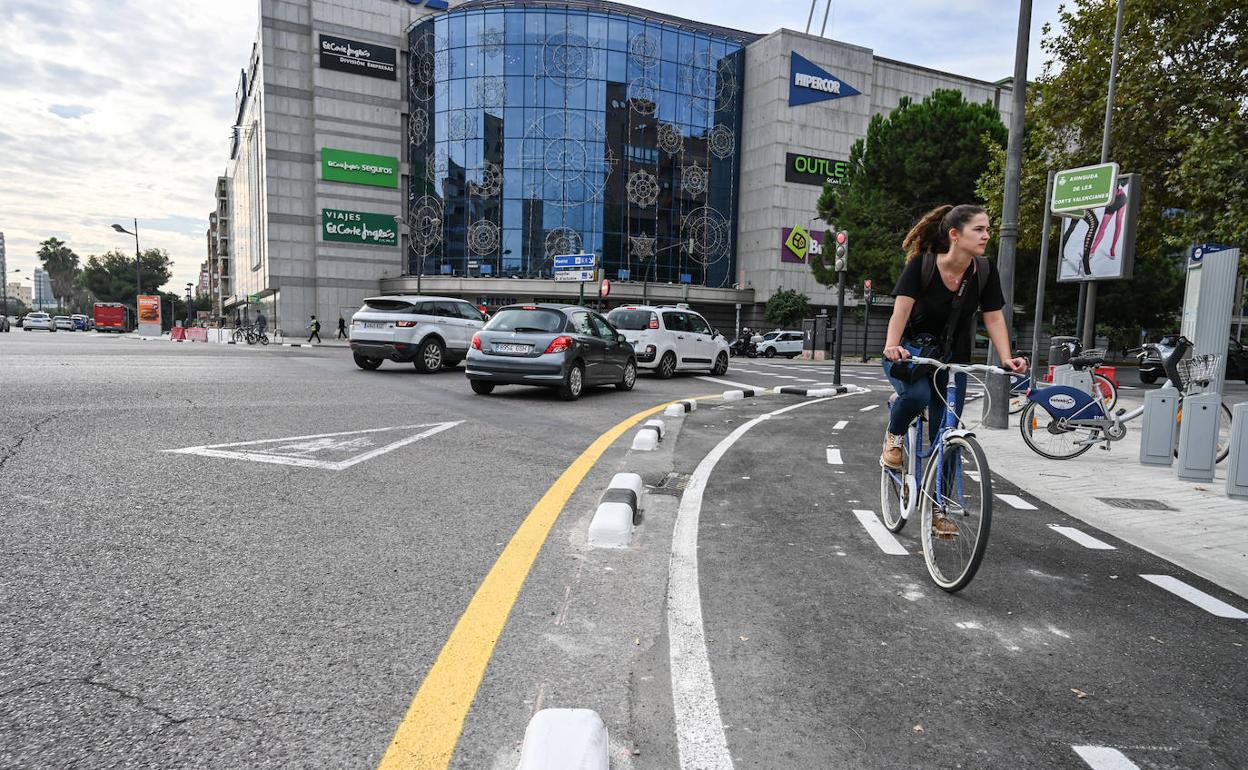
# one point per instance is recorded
(429, 732)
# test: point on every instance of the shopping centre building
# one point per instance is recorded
(387, 146)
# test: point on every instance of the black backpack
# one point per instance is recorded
(982, 269)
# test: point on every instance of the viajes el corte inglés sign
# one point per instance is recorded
(359, 168)
(808, 82)
(343, 55)
(359, 227)
(813, 170)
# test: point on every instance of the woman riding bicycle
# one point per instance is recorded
(945, 279)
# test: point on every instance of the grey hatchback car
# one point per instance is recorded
(562, 346)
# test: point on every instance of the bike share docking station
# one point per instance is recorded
(1208, 303)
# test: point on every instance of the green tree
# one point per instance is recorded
(923, 154)
(787, 308)
(110, 277)
(61, 264)
(1179, 121)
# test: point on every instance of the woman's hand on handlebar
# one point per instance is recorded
(896, 353)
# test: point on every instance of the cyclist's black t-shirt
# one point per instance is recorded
(933, 305)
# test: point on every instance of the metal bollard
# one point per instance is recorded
(1198, 437)
(1237, 461)
(1161, 409)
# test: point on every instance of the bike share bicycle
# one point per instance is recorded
(1061, 422)
(955, 495)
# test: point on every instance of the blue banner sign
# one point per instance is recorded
(576, 261)
(808, 82)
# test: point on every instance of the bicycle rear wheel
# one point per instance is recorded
(1223, 445)
(1048, 437)
(956, 512)
(237, 336)
(897, 489)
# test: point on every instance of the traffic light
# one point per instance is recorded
(842, 250)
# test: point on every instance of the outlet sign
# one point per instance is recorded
(343, 55)
(808, 82)
(359, 168)
(813, 170)
(359, 227)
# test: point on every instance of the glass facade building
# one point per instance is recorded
(537, 129)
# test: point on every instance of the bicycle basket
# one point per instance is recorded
(1197, 370)
(1093, 353)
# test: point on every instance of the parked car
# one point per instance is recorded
(63, 322)
(430, 332)
(80, 322)
(562, 346)
(781, 343)
(38, 321)
(667, 339)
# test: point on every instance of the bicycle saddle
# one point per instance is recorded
(1083, 362)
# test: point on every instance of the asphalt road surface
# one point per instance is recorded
(220, 556)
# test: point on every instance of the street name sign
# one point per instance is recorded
(575, 275)
(1076, 190)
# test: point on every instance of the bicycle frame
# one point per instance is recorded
(914, 476)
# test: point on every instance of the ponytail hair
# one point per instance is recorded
(930, 235)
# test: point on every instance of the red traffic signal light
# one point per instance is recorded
(867, 284)
(842, 236)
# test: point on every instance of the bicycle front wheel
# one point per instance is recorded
(1109, 391)
(956, 512)
(264, 339)
(1049, 437)
(1223, 445)
(237, 336)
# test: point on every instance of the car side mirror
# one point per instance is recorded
(715, 333)
(620, 338)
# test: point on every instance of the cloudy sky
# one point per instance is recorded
(112, 111)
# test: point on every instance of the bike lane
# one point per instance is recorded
(827, 651)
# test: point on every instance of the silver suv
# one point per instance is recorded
(430, 332)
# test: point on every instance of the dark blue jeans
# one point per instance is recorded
(913, 397)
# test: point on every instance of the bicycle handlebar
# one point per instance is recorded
(958, 367)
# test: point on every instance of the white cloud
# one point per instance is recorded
(122, 109)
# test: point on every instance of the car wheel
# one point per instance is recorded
(573, 383)
(771, 353)
(430, 356)
(667, 366)
(481, 387)
(630, 376)
(366, 363)
(721, 365)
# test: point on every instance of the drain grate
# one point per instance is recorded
(1136, 504)
(673, 484)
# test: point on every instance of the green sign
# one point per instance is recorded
(359, 168)
(1078, 189)
(253, 299)
(359, 227)
(798, 242)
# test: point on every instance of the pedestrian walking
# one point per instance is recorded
(342, 327)
(945, 280)
(262, 323)
(315, 327)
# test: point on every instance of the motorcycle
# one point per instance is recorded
(743, 347)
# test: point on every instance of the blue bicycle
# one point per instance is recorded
(953, 491)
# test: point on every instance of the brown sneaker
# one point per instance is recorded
(943, 527)
(891, 458)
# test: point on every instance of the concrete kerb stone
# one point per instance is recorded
(838, 390)
(565, 739)
(649, 436)
(612, 525)
(680, 408)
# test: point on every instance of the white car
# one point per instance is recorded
(781, 343)
(63, 322)
(668, 339)
(38, 321)
(430, 332)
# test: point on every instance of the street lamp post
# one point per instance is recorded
(138, 279)
(188, 305)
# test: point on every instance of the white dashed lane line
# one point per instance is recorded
(1082, 538)
(869, 408)
(882, 537)
(1104, 758)
(1018, 503)
(1210, 604)
(834, 456)
(840, 425)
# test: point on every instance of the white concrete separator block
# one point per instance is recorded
(565, 739)
(646, 440)
(733, 395)
(612, 526)
(627, 481)
(674, 410)
(658, 424)
(691, 404)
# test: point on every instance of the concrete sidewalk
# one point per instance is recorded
(1196, 526)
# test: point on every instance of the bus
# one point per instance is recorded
(113, 317)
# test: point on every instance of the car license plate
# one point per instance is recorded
(374, 325)
(508, 347)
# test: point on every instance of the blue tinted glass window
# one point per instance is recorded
(534, 27)
(617, 66)
(474, 24)
(617, 33)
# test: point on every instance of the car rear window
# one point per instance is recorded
(632, 320)
(511, 319)
(389, 305)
